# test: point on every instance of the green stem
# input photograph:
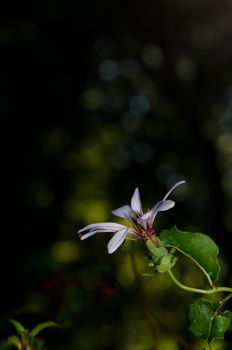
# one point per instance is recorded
(199, 265)
(223, 301)
(197, 290)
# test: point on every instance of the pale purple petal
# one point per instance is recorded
(145, 216)
(123, 212)
(112, 226)
(145, 219)
(176, 185)
(163, 205)
(136, 202)
(117, 240)
(91, 233)
(160, 206)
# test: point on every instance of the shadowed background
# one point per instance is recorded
(97, 99)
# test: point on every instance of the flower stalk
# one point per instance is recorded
(197, 290)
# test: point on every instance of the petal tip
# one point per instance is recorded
(117, 240)
(136, 201)
(173, 187)
(181, 182)
(109, 251)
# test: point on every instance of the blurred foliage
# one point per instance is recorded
(25, 339)
(98, 98)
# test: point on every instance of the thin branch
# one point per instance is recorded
(197, 290)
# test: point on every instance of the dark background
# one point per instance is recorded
(98, 98)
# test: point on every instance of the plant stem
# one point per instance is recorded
(199, 265)
(223, 301)
(197, 290)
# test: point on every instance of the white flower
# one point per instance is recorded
(138, 223)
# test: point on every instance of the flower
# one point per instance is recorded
(138, 223)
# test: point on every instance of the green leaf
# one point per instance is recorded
(41, 326)
(14, 340)
(18, 327)
(197, 246)
(207, 321)
(201, 315)
(221, 323)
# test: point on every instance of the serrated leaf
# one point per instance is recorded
(41, 326)
(206, 320)
(197, 246)
(18, 327)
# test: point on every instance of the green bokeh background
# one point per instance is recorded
(97, 99)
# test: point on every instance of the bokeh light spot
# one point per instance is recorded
(109, 70)
(110, 135)
(225, 143)
(139, 105)
(65, 251)
(185, 69)
(90, 156)
(167, 344)
(44, 197)
(91, 210)
(56, 141)
(91, 99)
(153, 56)
(142, 152)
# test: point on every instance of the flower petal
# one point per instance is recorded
(163, 205)
(112, 226)
(91, 233)
(160, 206)
(123, 212)
(117, 240)
(136, 202)
(173, 187)
(145, 219)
